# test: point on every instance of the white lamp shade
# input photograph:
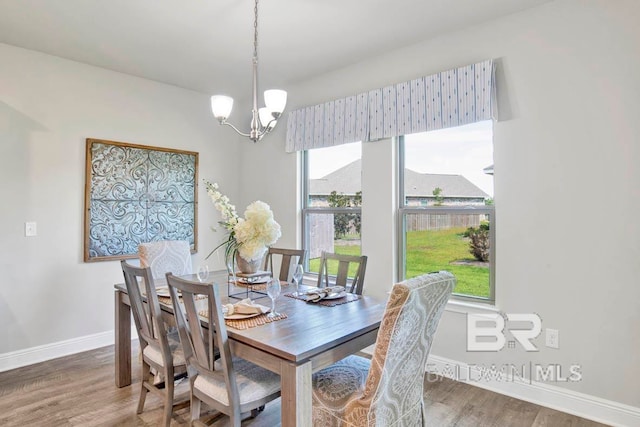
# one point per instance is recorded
(221, 106)
(265, 117)
(275, 100)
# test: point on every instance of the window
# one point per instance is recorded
(331, 202)
(446, 206)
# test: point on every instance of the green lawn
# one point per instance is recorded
(429, 251)
(314, 264)
(436, 250)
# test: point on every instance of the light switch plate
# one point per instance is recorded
(30, 229)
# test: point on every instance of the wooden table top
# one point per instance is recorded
(309, 329)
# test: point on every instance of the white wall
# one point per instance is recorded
(566, 185)
(48, 107)
(567, 181)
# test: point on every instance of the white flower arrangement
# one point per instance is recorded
(249, 236)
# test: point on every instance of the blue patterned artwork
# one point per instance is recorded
(136, 194)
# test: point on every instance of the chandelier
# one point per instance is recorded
(263, 120)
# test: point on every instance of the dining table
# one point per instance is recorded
(309, 337)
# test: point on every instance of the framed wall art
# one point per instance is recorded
(136, 194)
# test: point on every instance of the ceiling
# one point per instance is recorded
(207, 46)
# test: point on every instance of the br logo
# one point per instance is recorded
(485, 332)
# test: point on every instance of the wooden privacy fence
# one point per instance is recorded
(320, 234)
(420, 222)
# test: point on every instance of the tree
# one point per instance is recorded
(357, 219)
(439, 198)
(343, 223)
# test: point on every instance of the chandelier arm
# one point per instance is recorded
(226, 123)
(267, 127)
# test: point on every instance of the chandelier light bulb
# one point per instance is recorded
(275, 100)
(221, 106)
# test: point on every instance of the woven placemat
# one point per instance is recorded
(251, 322)
(328, 302)
(167, 300)
(252, 286)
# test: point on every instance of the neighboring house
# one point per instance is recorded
(456, 189)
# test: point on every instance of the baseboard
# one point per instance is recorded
(561, 399)
(42, 353)
(543, 394)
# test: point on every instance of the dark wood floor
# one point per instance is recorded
(79, 390)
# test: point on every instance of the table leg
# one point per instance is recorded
(295, 381)
(122, 341)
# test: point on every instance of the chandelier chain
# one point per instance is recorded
(255, 32)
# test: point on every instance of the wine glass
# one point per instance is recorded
(273, 290)
(297, 277)
(231, 270)
(203, 273)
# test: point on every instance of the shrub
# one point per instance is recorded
(345, 223)
(479, 241)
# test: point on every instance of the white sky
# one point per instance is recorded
(464, 150)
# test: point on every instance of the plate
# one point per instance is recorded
(163, 291)
(335, 295)
(249, 281)
(242, 316)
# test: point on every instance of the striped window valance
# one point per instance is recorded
(451, 98)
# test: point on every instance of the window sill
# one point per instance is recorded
(464, 307)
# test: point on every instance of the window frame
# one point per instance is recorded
(404, 210)
(308, 211)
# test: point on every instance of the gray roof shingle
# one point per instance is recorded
(347, 180)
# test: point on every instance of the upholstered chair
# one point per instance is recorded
(387, 390)
(161, 351)
(166, 256)
(228, 384)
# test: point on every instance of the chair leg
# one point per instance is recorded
(195, 408)
(168, 398)
(143, 388)
(236, 419)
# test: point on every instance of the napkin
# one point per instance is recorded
(314, 295)
(245, 306)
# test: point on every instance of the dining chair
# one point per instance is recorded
(388, 389)
(160, 350)
(344, 261)
(230, 385)
(288, 255)
(166, 256)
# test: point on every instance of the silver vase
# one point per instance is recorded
(247, 267)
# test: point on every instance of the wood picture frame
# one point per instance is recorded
(135, 194)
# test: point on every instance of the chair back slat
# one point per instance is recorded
(147, 316)
(198, 343)
(353, 285)
(286, 267)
